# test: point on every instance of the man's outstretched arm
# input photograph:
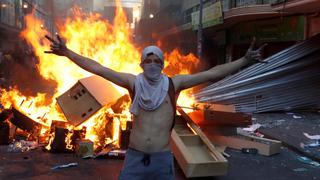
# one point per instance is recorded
(187, 81)
(122, 79)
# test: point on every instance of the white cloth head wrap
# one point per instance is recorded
(149, 96)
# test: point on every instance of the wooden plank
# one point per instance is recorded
(219, 130)
(264, 146)
(220, 118)
(24, 122)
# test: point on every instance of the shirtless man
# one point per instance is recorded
(149, 155)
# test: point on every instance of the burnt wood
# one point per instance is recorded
(23, 122)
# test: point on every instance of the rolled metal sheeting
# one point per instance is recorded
(290, 80)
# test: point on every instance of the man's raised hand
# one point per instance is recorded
(254, 56)
(57, 47)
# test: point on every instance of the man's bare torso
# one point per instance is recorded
(152, 129)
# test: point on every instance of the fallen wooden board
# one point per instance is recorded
(23, 122)
(219, 130)
(220, 118)
(264, 146)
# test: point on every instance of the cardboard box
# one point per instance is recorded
(86, 97)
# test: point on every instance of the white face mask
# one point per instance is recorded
(152, 71)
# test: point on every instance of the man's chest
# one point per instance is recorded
(160, 116)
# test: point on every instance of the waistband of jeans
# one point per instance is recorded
(138, 152)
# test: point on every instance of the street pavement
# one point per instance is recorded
(37, 164)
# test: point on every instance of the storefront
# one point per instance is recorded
(313, 25)
(279, 33)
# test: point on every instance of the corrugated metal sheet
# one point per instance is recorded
(290, 80)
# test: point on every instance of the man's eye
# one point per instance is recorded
(158, 61)
(147, 61)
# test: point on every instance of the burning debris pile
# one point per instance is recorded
(78, 113)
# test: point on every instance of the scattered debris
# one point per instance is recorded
(222, 149)
(300, 170)
(59, 143)
(313, 137)
(22, 146)
(117, 153)
(103, 152)
(258, 134)
(252, 128)
(297, 117)
(280, 121)
(249, 150)
(110, 152)
(274, 123)
(315, 141)
(84, 148)
(64, 166)
(226, 154)
(308, 161)
(310, 145)
(88, 157)
(24, 122)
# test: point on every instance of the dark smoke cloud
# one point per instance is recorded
(18, 70)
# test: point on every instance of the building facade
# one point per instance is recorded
(229, 25)
(15, 52)
(85, 5)
(132, 9)
(12, 13)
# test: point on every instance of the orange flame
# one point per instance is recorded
(93, 37)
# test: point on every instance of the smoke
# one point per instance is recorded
(19, 70)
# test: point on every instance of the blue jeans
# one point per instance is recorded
(141, 166)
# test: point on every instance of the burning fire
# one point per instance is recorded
(93, 37)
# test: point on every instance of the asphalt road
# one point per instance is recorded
(37, 164)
